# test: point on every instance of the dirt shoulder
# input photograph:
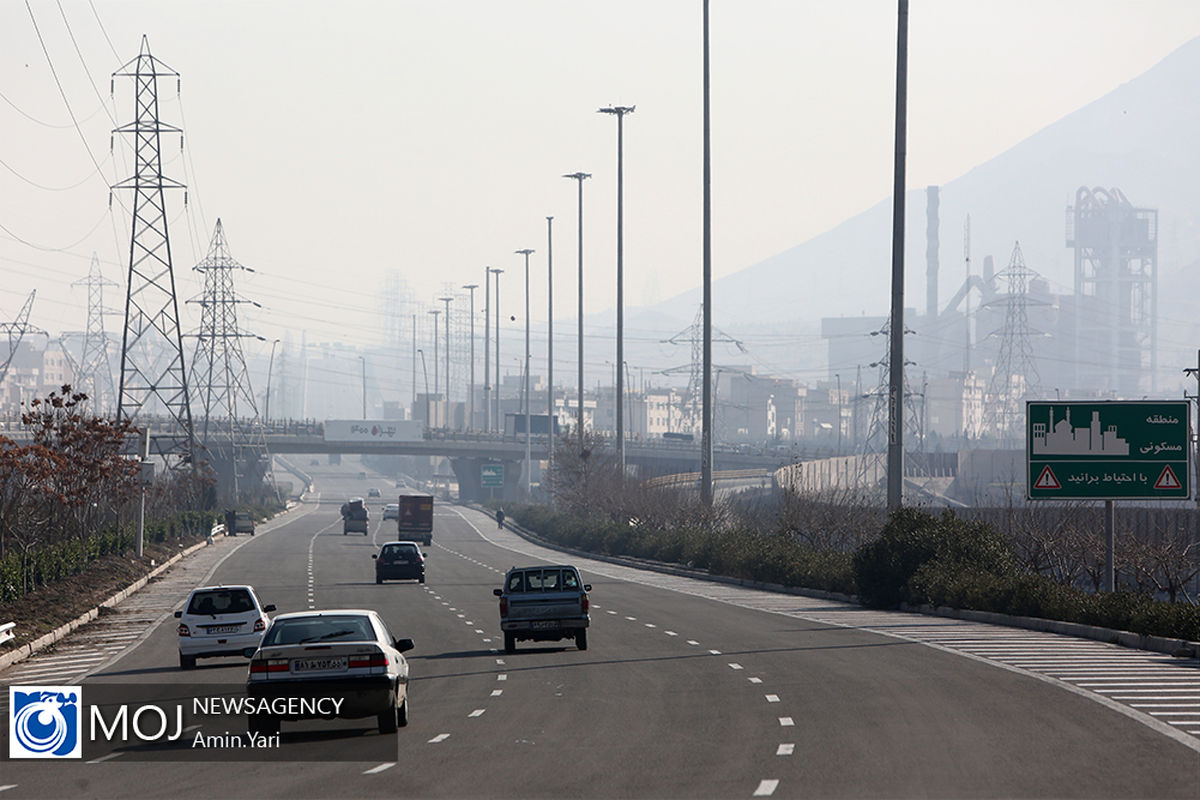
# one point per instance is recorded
(49, 607)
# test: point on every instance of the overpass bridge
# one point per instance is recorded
(468, 452)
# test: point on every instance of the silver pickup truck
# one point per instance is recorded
(543, 604)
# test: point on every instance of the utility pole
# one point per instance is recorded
(580, 177)
(620, 112)
(471, 287)
(550, 339)
(528, 454)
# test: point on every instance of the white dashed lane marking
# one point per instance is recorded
(382, 767)
(441, 737)
(766, 788)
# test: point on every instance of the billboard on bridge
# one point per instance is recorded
(378, 430)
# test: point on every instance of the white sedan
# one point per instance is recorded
(345, 657)
(391, 511)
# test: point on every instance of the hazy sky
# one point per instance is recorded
(340, 140)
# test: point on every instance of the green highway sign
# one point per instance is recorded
(1113, 450)
(491, 476)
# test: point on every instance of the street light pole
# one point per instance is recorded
(620, 112)
(525, 402)
(436, 386)
(270, 366)
(550, 340)
(471, 287)
(487, 349)
(706, 398)
(580, 177)
(447, 301)
(425, 372)
(499, 418)
(895, 449)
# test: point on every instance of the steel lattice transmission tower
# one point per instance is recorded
(94, 374)
(691, 406)
(230, 429)
(872, 453)
(15, 331)
(1015, 376)
(153, 377)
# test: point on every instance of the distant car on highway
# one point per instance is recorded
(544, 604)
(340, 653)
(399, 560)
(373, 492)
(220, 621)
(391, 511)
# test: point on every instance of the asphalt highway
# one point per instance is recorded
(678, 695)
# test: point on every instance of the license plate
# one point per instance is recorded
(544, 624)
(319, 664)
(215, 629)
(400, 561)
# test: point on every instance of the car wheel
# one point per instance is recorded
(581, 638)
(378, 580)
(187, 662)
(402, 713)
(510, 643)
(388, 720)
(421, 579)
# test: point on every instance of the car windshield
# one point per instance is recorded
(301, 630)
(221, 601)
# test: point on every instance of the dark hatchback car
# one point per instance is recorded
(399, 561)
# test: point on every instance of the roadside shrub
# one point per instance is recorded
(914, 544)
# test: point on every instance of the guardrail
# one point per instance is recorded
(6, 632)
(693, 478)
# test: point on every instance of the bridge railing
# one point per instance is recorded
(6, 632)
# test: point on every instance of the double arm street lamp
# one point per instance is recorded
(620, 112)
(528, 462)
(580, 177)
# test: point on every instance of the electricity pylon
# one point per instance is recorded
(16, 332)
(153, 376)
(691, 412)
(94, 373)
(230, 428)
(1015, 376)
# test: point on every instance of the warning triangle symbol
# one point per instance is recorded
(1047, 480)
(1168, 480)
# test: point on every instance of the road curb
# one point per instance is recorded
(1181, 648)
(26, 650)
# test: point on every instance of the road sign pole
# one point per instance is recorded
(1110, 537)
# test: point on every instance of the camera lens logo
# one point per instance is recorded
(44, 722)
